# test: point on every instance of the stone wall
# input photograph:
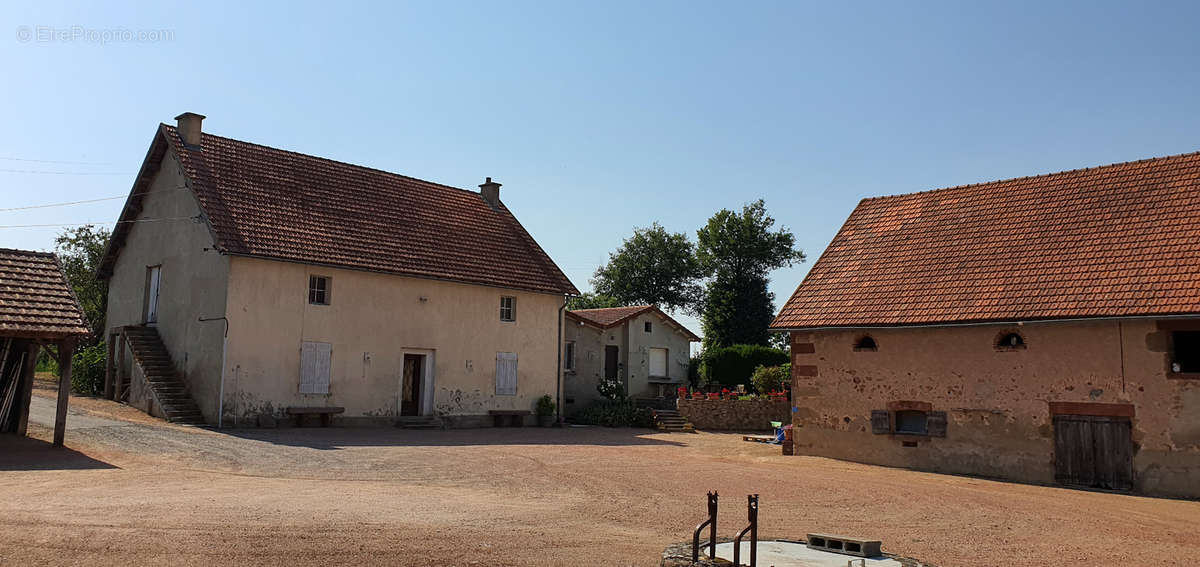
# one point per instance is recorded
(999, 403)
(734, 415)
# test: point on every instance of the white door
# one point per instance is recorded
(658, 363)
(152, 282)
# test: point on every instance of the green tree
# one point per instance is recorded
(80, 250)
(655, 267)
(738, 251)
(589, 300)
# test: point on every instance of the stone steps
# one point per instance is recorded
(419, 422)
(151, 355)
(670, 420)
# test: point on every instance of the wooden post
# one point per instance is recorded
(27, 370)
(108, 366)
(120, 378)
(66, 351)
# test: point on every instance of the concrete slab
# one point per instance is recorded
(787, 554)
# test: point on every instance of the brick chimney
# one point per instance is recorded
(189, 127)
(490, 190)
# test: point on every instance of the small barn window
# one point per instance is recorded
(865, 342)
(569, 356)
(648, 327)
(911, 422)
(318, 290)
(1010, 341)
(508, 309)
(1185, 352)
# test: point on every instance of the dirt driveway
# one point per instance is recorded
(133, 490)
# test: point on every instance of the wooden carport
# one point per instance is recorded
(37, 308)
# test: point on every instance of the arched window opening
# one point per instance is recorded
(1010, 341)
(866, 342)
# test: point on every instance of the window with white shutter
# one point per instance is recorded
(506, 374)
(314, 367)
(658, 363)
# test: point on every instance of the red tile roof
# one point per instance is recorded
(612, 316)
(35, 299)
(269, 203)
(1113, 241)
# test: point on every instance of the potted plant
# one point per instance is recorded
(545, 411)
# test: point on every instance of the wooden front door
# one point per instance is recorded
(410, 389)
(1093, 451)
(610, 362)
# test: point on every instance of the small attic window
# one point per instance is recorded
(1010, 341)
(649, 327)
(865, 342)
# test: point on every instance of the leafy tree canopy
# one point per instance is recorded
(742, 244)
(589, 300)
(653, 266)
(80, 250)
(738, 251)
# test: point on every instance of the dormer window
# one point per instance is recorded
(1010, 341)
(865, 342)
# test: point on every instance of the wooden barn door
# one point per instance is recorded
(1093, 451)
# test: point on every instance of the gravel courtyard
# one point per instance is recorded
(132, 490)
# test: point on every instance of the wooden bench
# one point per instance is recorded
(326, 414)
(509, 418)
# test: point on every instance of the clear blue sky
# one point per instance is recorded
(604, 116)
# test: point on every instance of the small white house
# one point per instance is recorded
(640, 346)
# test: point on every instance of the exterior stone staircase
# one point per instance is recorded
(419, 422)
(169, 391)
(670, 420)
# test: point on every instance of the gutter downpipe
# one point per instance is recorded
(558, 374)
(221, 388)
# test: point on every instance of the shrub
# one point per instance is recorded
(612, 390)
(87, 370)
(768, 379)
(621, 413)
(693, 374)
(735, 364)
(545, 405)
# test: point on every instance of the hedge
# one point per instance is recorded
(735, 364)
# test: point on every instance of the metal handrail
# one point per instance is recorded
(752, 515)
(711, 522)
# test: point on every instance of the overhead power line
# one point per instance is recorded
(62, 204)
(47, 172)
(55, 161)
(195, 218)
(83, 202)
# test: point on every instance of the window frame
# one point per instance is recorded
(313, 290)
(1173, 359)
(915, 415)
(649, 327)
(511, 308)
(569, 357)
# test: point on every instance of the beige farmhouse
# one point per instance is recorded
(1043, 329)
(641, 347)
(249, 283)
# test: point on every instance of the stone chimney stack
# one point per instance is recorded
(189, 127)
(490, 190)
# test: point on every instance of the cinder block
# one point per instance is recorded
(845, 545)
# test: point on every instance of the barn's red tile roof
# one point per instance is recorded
(270, 203)
(608, 317)
(1112, 241)
(35, 299)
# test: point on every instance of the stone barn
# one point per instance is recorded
(1041, 329)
